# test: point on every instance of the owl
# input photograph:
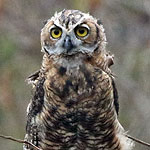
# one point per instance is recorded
(75, 100)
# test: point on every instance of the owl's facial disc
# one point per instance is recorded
(71, 32)
(69, 42)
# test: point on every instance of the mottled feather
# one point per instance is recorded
(75, 101)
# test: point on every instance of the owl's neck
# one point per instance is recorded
(103, 61)
(69, 63)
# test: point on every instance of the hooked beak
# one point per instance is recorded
(68, 43)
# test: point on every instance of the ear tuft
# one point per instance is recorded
(45, 22)
(99, 22)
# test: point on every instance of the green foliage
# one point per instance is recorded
(7, 49)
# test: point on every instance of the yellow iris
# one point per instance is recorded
(81, 31)
(56, 33)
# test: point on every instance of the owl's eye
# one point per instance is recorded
(81, 31)
(56, 32)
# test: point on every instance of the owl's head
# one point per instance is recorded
(72, 32)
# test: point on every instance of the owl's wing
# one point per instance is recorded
(34, 107)
(115, 94)
(108, 64)
(33, 77)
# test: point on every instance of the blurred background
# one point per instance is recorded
(127, 24)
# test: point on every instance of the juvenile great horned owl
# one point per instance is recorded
(75, 102)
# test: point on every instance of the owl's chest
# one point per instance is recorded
(74, 101)
(73, 87)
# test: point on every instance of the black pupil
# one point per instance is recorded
(56, 32)
(81, 31)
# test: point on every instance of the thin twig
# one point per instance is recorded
(137, 140)
(19, 141)
(35, 147)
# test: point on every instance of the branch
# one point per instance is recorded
(36, 148)
(19, 141)
(137, 140)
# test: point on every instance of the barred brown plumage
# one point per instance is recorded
(75, 101)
